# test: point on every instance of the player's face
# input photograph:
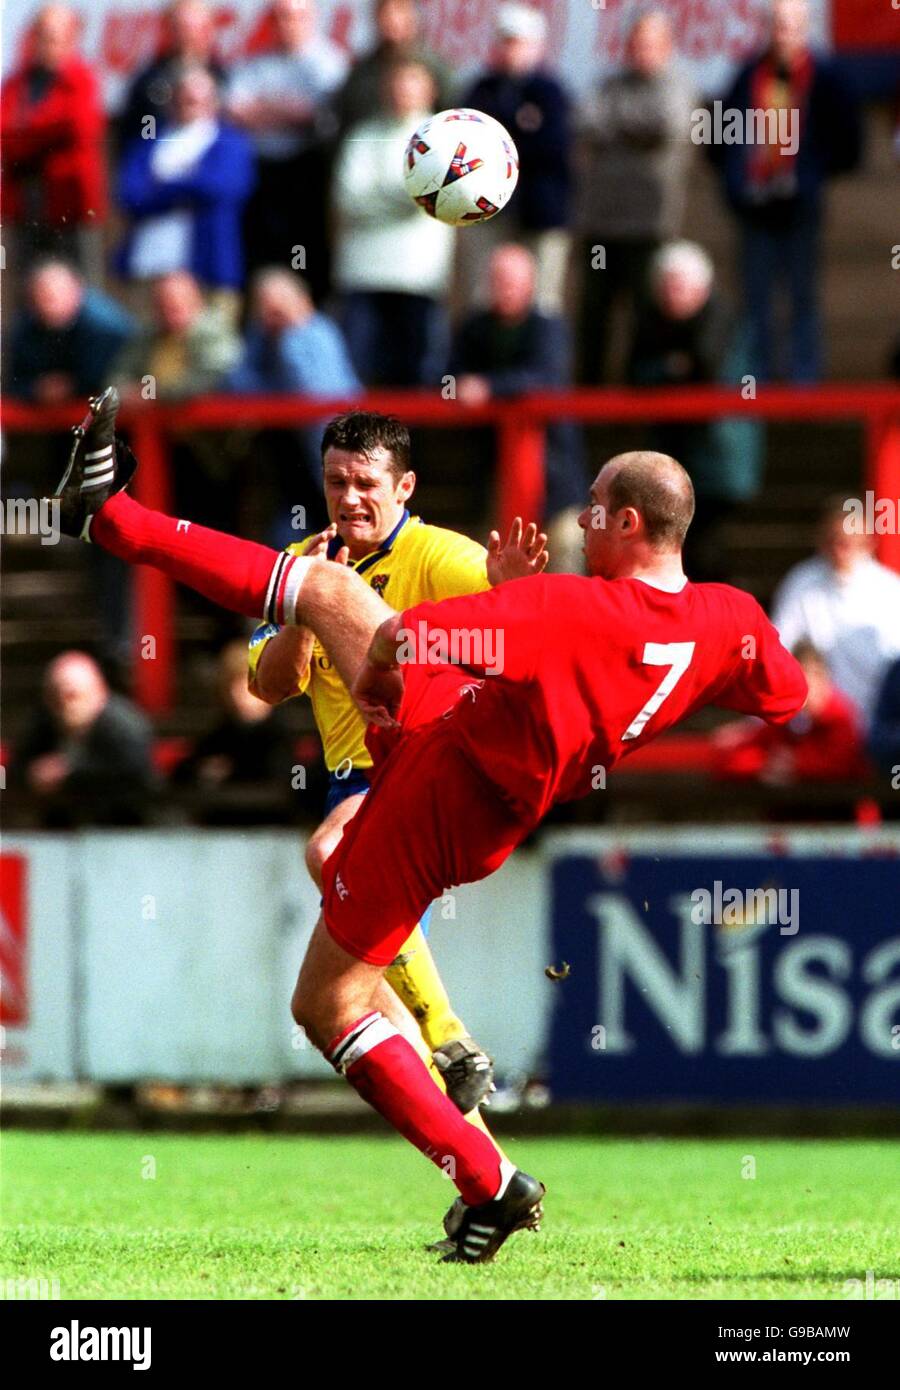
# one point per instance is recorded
(364, 498)
(596, 537)
(607, 536)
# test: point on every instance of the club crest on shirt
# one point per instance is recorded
(379, 583)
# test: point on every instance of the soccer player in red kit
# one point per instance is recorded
(486, 711)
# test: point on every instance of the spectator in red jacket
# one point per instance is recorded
(54, 179)
(822, 743)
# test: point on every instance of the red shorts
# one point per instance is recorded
(430, 821)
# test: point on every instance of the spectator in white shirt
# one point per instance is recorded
(283, 99)
(847, 605)
(392, 262)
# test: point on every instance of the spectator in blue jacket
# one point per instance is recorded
(291, 348)
(188, 41)
(510, 348)
(65, 339)
(884, 731)
(813, 132)
(185, 190)
(519, 92)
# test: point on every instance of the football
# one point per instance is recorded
(461, 166)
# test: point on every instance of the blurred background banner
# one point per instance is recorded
(865, 24)
(171, 956)
(39, 956)
(661, 1006)
(585, 39)
(134, 965)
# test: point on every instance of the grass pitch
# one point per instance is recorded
(161, 1216)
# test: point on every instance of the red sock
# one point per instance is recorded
(386, 1071)
(240, 575)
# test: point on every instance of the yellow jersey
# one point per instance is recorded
(417, 563)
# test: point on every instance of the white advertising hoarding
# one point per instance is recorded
(172, 955)
(586, 36)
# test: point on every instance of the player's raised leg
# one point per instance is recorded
(239, 575)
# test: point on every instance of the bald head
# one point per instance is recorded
(279, 299)
(295, 23)
(55, 292)
(650, 43)
(512, 276)
(178, 301)
(657, 487)
(190, 29)
(75, 691)
(790, 29)
(54, 36)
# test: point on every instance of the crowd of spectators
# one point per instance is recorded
(288, 159)
(88, 755)
(243, 228)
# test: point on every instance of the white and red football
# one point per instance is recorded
(461, 166)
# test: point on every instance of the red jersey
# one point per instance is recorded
(55, 143)
(578, 672)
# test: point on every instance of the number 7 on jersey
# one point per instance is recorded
(677, 656)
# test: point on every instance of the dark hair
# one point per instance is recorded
(364, 431)
(659, 488)
(832, 507)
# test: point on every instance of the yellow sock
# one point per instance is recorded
(414, 977)
(474, 1117)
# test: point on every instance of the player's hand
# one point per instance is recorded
(524, 553)
(378, 693)
(318, 546)
(47, 773)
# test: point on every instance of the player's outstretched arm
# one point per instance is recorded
(769, 682)
(283, 665)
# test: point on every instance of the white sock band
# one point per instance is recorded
(371, 1030)
(286, 580)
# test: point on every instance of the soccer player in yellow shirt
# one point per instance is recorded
(368, 484)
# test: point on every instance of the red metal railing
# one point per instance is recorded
(520, 425)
